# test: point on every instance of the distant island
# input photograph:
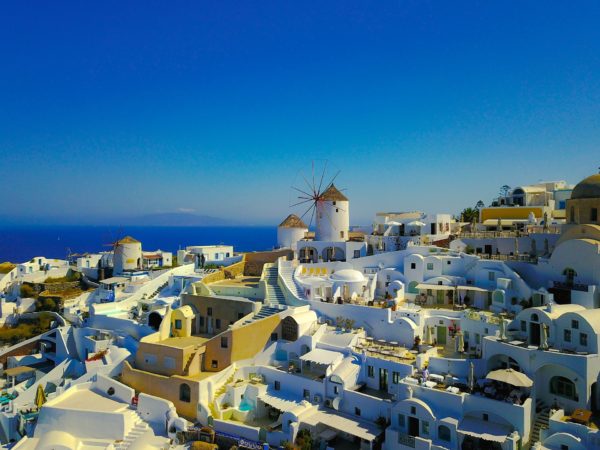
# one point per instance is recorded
(179, 219)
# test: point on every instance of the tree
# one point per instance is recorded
(27, 291)
(479, 205)
(504, 190)
(470, 215)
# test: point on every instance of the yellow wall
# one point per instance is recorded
(164, 387)
(507, 212)
(180, 355)
(243, 343)
(581, 209)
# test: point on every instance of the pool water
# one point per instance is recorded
(245, 406)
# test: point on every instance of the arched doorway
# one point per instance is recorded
(154, 320)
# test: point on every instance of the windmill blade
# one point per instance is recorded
(311, 217)
(308, 184)
(334, 177)
(301, 203)
(322, 176)
(313, 205)
(313, 174)
(303, 192)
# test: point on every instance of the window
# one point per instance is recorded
(425, 427)
(370, 372)
(274, 337)
(201, 320)
(413, 410)
(214, 364)
(572, 215)
(277, 385)
(341, 234)
(491, 276)
(169, 362)
(357, 253)
(336, 390)
(448, 262)
(535, 318)
(429, 266)
(334, 203)
(337, 210)
(395, 377)
(486, 417)
(563, 387)
(401, 420)
(149, 358)
(209, 312)
(224, 343)
(575, 324)
(185, 394)
(413, 265)
(594, 215)
(583, 339)
(444, 433)
(218, 324)
(356, 411)
(240, 315)
(178, 324)
(567, 336)
(306, 394)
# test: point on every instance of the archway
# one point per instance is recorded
(154, 320)
(309, 255)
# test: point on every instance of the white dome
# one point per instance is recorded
(348, 275)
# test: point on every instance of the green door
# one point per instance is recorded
(441, 335)
(440, 297)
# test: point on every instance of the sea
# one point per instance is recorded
(21, 243)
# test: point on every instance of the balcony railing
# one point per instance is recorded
(571, 286)
(406, 440)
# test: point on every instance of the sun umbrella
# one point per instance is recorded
(544, 337)
(460, 348)
(427, 334)
(416, 223)
(471, 379)
(40, 396)
(511, 377)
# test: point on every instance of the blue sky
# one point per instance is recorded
(110, 109)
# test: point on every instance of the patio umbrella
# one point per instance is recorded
(544, 337)
(416, 223)
(427, 334)
(502, 334)
(471, 378)
(510, 376)
(460, 347)
(516, 246)
(40, 396)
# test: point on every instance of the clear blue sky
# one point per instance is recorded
(110, 109)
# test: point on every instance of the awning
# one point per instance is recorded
(344, 423)
(472, 288)
(435, 287)
(488, 431)
(504, 222)
(281, 402)
(320, 356)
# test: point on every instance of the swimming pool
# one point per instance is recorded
(246, 406)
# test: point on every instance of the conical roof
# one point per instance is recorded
(332, 194)
(292, 221)
(128, 240)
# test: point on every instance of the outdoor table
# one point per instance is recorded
(581, 415)
(430, 384)
(519, 343)
(436, 377)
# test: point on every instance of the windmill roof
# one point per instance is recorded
(293, 221)
(128, 240)
(333, 194)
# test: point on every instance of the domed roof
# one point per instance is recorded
(588, 188)
(347, 275)
(292, 221)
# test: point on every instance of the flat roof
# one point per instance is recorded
(114, 280)
(18, 370)
(88, 400)
(183, 342)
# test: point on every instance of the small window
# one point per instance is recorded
(277, 385)
(336, 390)
(575, 324)
(185, 394)
(169, 362)
(218, 324)
(224, 343)
(356, 411)
(334, 203)
(178, 324)
(486, 417)
(594, 215)
(201, 321)
(429, 266)
(395, 377)
(337, 210)
(214, 364)
(444, 433)
(425, 427)
(491, 276)
(413, 265)
(357, 253)
(567, 336)
(564, 447)
(341, 234)
(149, 358)
(370, 371)
(413, 410)
(448, 262)
(401, 420)
(583, 341)
(306, 394)
(111, 391)
(209, 312)
(274, 337)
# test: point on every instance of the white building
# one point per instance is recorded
(127, 255)
(290, 231)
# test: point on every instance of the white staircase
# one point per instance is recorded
(274, 296)
(542, 419)
(138, 429)
(287, 273)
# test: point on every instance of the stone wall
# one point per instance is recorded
(255, 261)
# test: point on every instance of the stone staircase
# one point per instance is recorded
(265, 311)
(138, 429)
(542, 419)
(287, 273)
(186, 369)
(274, 296)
